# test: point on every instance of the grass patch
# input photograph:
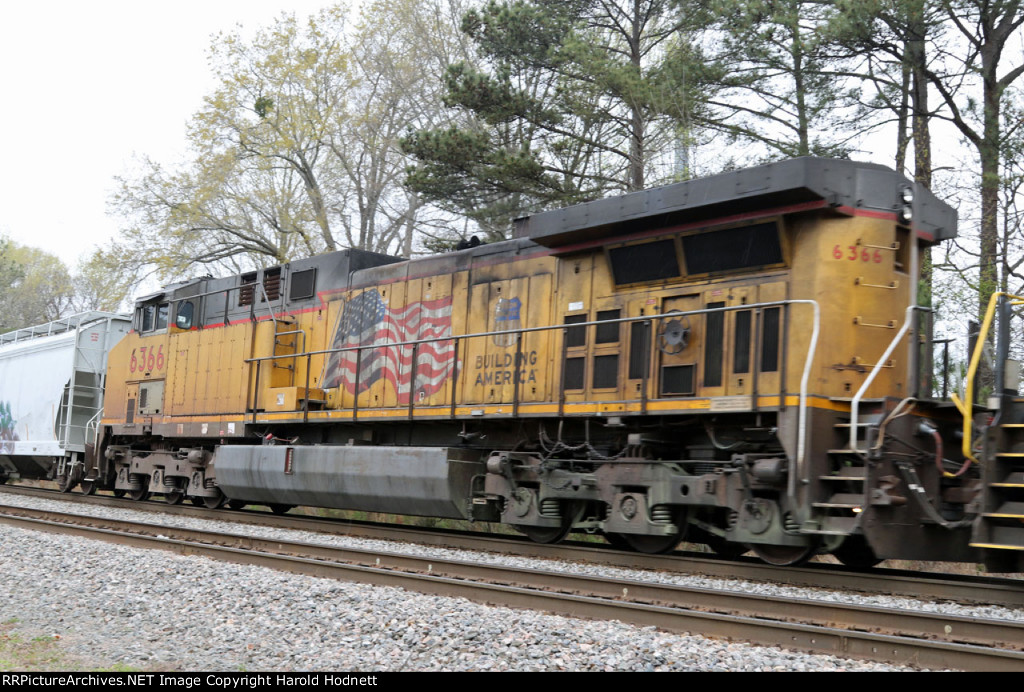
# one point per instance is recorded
(24, 652)
(32, 652)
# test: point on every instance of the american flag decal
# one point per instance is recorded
(367, 321)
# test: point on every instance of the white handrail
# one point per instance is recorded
(855, 403)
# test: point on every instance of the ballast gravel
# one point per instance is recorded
(150, 610)
(584, 569)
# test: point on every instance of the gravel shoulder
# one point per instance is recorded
(115, 607)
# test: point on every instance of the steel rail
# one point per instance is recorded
(895, 582)
(878, 634)
(996, 633)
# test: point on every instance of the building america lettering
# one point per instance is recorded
(505, 368)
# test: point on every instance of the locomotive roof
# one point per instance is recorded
(843, 185)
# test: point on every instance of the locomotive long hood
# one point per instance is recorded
(849, 187)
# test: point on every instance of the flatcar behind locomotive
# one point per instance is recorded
(738, 360)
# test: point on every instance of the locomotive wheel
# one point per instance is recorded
(617, 541)
(652, 545)
(784, 555)
(545, 534)
(175, 495)
(87, 487)
(728, 549)
(855, 552)
(554, 534)
(718, 545)
(215, 502)
(656, 545)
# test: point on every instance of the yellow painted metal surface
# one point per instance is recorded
(853, 267)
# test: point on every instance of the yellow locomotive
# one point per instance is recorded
(736, 360)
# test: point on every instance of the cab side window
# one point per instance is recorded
(185, 316)
(153, 318)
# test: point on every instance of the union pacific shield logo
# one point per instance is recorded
(367, 321)
(506, 319)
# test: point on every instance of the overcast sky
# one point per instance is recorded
(85, 87)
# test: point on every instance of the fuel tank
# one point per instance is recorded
(425, 481)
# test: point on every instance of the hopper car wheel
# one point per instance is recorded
(855, 552)
(236, 504)
(120, 492)
(87, 487)
(64, 483)
(280, 509)
(139, 495)
(784, 555)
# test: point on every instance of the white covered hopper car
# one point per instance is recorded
(51, 394)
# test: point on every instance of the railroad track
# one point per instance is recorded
(977, 589)
(909, 638)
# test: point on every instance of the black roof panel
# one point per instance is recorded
(837, 183)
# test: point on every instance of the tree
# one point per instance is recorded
(98, 285)
(38, 290)
(788, 90)
(569, 101)
(254, 192)
(10, 271)
(277, 102)
(227, 213)
(399, 51)
(986, 28)
(1011, 201)
(887, 41)
(890, 40)
(960, 49)
(296, 152)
